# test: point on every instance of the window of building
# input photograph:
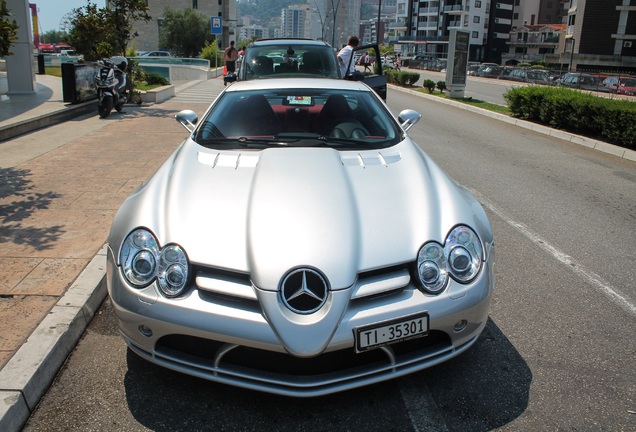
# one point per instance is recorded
(476, 19)
(475, 35)
(195, 4)
(477, 4)
(515, 15)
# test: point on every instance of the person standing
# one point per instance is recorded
(398, 63)
(348, 67)
(366, 62)
(229, 57)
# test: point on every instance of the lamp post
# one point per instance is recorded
(322, 23)
(377, 30)
(334, 10)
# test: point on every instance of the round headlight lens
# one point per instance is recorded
(139, 256)
(173, 270)
(431, 268)
(465, 253)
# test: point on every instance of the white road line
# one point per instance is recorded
(423, 411)
(595, 280)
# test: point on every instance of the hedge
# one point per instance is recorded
(403, 78)
(611, 120)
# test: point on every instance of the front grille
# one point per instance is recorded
(256, 365)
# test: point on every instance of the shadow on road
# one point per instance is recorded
(485, 388)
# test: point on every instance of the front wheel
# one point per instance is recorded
(105, 106)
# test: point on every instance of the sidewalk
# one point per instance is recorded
(59, 189)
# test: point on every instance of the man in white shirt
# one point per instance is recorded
(344, 57)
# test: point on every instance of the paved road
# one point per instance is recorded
(557, 354)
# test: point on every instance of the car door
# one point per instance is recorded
(376, 80)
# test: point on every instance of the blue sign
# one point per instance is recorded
(216, 25)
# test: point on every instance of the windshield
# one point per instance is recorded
(277, 61)
(259, 119)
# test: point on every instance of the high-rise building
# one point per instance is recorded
(295, 21)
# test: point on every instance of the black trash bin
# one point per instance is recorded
(41, 69)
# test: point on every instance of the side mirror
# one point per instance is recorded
(188, 119)
(408, 118)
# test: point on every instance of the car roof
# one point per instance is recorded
(298, 83)
(288, 41)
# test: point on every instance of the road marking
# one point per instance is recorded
(421, 407)
(595, 280)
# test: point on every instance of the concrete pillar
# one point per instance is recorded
(20, 65)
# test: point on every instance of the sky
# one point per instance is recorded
(51, 12)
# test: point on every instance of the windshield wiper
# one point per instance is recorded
(245, 142)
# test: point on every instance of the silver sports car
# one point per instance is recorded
(299, 243)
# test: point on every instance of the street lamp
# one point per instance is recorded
(322, 23)
(333, 30)
(377, 30)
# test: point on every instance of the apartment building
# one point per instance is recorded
(427, 25)
(601, 35)
(295, 21)
(533, 42)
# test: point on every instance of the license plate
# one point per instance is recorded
(388, 332)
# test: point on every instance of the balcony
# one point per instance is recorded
(535, 40)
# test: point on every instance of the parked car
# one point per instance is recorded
(621, 85)
(532, 76)
(582, 81)
(155, 54)
(489, 71)
(299, 242)
(289, 58)
(472, 69)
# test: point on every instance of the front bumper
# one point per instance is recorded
(229, 338)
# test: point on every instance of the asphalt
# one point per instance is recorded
(52, 251)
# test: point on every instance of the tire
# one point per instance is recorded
(105, 107)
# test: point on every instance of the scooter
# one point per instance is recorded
(111, 85)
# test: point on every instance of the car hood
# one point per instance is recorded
(265, 212)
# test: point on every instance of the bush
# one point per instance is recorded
(402, 78)
(209, 51)
(441, 86)
(153, 78)
(612, 120)
(429, 85)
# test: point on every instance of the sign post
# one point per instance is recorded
(216, 28)
(456, 68)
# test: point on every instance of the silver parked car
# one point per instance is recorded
(298, 242)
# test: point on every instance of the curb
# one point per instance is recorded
(601, 146)
(46, 120)
(27, 376)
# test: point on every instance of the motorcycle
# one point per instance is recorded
(111, 85)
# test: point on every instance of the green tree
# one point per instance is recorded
(184, 32)
(8, 30)
(122, 14)
(53, 36)
(104, 32)
(90, 33)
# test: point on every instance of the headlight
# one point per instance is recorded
(461, 257)
(143, 261)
